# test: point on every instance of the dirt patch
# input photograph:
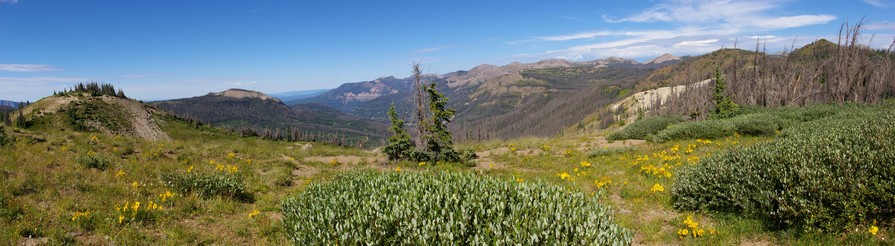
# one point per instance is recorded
(304, 171)
(601, 142)
(144, 125)
(346, 159)
(34, 241)
(490, 152)
(488, 164)
(529, 152)
(755, 242)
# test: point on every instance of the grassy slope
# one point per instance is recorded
(43, 181)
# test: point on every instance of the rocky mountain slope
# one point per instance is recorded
(514, 100)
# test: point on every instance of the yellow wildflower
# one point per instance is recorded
(585, 164)
(519, 180)
(254, 213)
(231, 155)
(136, 206)
(120, 219)
(564, 175)
(189, 169)
(94, 138)
(119, 174)
(657, 188)
(873, 230)
(600, 183)
(334, 162)
(683, 233)
(135, 184)
(422, 163)
(79, 215)
(398, 169)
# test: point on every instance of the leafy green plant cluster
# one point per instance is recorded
(758, 123)
(94, 161)
(610, 151)
(642, 128)
(708, 129)
(209, 185)
(447, 208)
(831, 174)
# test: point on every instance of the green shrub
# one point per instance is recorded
(644, 127)
(3, 139)
(94, 161)
(831, 174)
(446, 208)
(708, 129)
(609, 151)
(756, 124)
(209, 185)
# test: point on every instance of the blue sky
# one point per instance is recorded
(173, 49)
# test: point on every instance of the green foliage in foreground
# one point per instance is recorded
(209, 185)
(644, 127)
(446, 208)
(761, 123)
(832, 174)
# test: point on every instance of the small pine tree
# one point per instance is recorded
(400, 144)
(439, 140)
(724, 106)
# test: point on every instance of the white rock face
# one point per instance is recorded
(240, 93)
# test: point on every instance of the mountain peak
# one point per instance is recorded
(663, 58)
(243, 93)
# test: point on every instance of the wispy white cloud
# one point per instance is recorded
(693, 27)
(9, 1)
(33, 88)
(572, 18)
(882, 25)
(706, 42)
(258, 9)
(877, 3)
(26, 67)
(242, 83)
(138, 76)
(432, 49)
(583, 35)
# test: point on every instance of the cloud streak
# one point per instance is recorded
(876, 3)
(693, 27)
(9, 1)
(26, 68)
(433, 49)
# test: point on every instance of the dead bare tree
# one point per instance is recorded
(421, 106)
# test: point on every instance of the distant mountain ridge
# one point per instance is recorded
(514, 100)
(296, 95)
(9, 104)
(256, 113)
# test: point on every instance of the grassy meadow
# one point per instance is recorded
(206, 186)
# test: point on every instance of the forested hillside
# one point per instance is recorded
(253, 113)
